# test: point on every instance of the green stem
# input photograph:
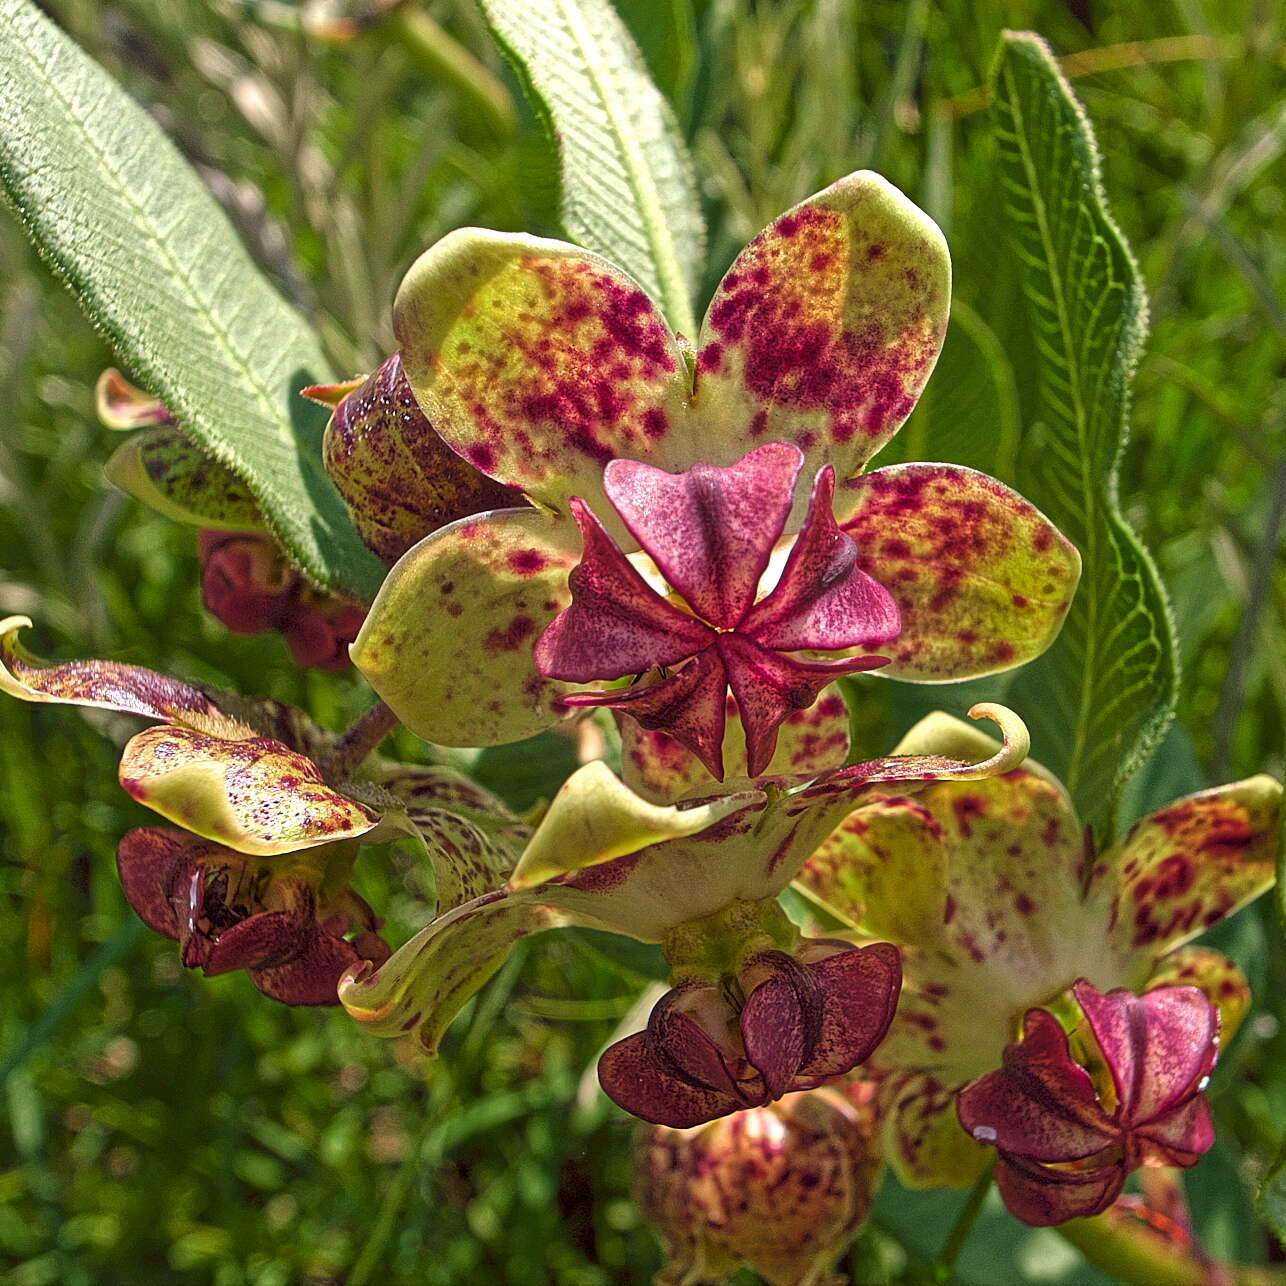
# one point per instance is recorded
(944, 1265)
(1136, 1255)
(448, 61)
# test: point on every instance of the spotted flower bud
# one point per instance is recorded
(782, 1188)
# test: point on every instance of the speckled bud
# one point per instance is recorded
(782, 1189)
(398, 478)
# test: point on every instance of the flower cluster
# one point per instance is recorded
(567, 493)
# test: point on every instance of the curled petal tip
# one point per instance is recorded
(1017, 741)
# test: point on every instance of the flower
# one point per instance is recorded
(248, 585)
(259, 875)
(756, 1010)
(1064, 1151)
(712, 531)
(549, 370)
(1000, 906)
(783, 1189)
(788, 1022)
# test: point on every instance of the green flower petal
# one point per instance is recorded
(448, 641)
(825, 328)
(924, 1141)
(253, 794)
(982, 578)
(1190, 864)
(169, 473)
(539, 362)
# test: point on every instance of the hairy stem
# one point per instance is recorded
(357, 743)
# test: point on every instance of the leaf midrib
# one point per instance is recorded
(674, 292)
(1091, 501)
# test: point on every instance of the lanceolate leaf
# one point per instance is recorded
(144, 246)
(1103, 695)
(627, 185)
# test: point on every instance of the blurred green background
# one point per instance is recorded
(161, 1127)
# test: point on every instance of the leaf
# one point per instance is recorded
(128, 225)
(627, 188)
(1104, 694)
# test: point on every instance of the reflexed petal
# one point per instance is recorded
(425, 983)
(540, 362)
(153, 862)
(399, 480)
(690, 707)
(826, 327)
(1039, 1104)
(1192, 863)
(823, 600)
(595, 818)
(171, 474)
(1211, 972)
(775, 1029)
(859, 996)
(884, 870)
(105, 684)
(617, 624)
(1042, 1196)
(812, 741)
(769, 687)
(981, 577)
(1159, 1047)
(710, 530)
(923, 1137)
(448, 641)
(636, 1080)
(254, 795)
(1182, 1136)
(122, 405)
(312, 976)
(683, 1046)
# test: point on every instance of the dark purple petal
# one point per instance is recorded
(312, 976)
(150, 861)
(860, 991)
(711, 530)
(770, 687)
(1041, 1196)
(779, 1024)
(617, 624)
(689, 706)
(824, 600)
(634, 1079)
(683, 1046)
(1159, 1046)
(1182, 1136)
(268, 939)
(1039, 1104)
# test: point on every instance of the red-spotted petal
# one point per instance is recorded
(152, 861)
(688, 706)
(1159, 1046)
(859, 998)
(311, 977)
(681, 1041)
(823, 601)
(1042, 1196)
(711, 531)
(826, 327)
(635, 1079)
(1039, 1104)
(780, 1022)
(769, 687)
(617, 624)
(982, 579)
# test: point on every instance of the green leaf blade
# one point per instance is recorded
(127, 224)
(628, 190)
(1105, 693)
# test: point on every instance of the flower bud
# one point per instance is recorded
(782, 1189)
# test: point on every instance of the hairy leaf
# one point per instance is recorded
(627, 185)
(156, 265)
(1102, 697)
